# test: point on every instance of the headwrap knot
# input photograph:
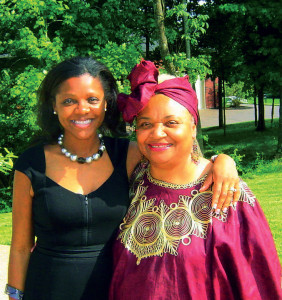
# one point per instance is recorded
(144, 84)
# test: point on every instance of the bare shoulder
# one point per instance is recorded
(133, 157)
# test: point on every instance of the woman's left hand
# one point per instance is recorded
(224, 177)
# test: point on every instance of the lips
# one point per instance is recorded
(159, 146)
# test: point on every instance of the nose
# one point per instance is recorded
(158, 130)
(83, 107)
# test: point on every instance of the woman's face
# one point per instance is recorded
(80, 106)
(165, 131)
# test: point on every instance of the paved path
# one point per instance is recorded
(244, 113)
(4, 255)
(209, 118)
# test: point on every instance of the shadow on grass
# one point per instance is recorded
(244, 138)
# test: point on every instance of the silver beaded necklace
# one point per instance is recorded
(83, 160)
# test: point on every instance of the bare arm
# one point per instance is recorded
(22, 233)
(224, 175)
(133, 157)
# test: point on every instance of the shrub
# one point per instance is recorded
(5, 200)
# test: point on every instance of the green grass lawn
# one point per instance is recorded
(268, 190)
(267, 101)
(5, 228)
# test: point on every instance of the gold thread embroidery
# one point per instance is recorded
(172, 185)
(246, 194)
(149, 230)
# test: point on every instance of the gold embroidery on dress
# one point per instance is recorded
(149, 230)
(172, 185)
(246, 194)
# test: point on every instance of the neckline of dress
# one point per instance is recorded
(170, 185)
(66, 189)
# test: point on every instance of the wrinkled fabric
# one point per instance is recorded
(144, 84)
(236, 260)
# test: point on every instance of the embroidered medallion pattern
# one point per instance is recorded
(152, 230)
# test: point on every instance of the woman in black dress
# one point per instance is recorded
(71, 191)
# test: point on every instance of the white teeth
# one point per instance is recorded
(163, 146)
(81, 122)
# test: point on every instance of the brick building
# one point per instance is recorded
(207, 93)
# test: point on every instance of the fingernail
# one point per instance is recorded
(224, 210)
(214, 206)
(217, 211)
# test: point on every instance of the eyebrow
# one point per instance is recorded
(166, 117)
(64, 95)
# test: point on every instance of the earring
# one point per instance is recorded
(196, 152)
(54, 112)
(144, 161)
(105, 108)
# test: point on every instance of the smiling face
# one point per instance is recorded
(80, 106)
(165, 132)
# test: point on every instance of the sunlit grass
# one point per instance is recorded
(5, 228)
(268, 190)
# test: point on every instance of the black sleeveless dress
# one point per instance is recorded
(72, 259)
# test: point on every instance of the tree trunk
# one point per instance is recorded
(272, 110)
(159, 17)
(220, 113)
(224, 109)
(147, 55)
(186, 31)
(279, 146)
(255, 106)
(261, 122)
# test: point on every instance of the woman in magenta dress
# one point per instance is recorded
(171, 243)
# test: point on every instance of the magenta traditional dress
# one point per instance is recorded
(171, 246)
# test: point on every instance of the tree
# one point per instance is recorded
(38, 34)
(159, 15)
(279, 145)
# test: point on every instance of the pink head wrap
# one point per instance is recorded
(144, 84)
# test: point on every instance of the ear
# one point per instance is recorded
(194, 131)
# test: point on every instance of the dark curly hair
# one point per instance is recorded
(76, 67)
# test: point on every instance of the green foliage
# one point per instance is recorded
(38, 34)
(238, 158)
(197, 24)
(5, 199)
(236, 89)
(18, 107)
(120, 59)
(195, 66)
(6, 161)
(251, 33)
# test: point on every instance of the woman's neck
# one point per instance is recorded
(183, 173)
(83, 147)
